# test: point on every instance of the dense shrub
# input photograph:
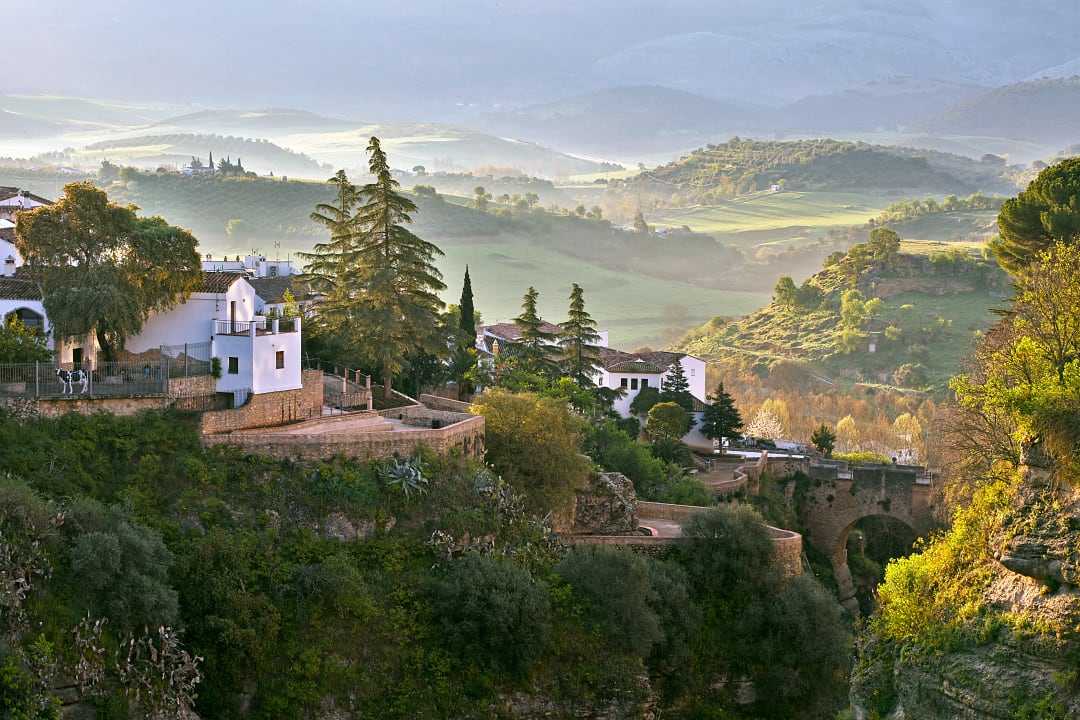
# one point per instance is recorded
(535, 444)
(614, 588)
(491, 613)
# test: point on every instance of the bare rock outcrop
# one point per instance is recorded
(606, 506)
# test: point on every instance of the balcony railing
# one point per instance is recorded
(261, 326)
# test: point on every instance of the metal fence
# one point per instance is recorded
(105, 379)
(187, 360)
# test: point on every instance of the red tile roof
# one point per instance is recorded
(12, 288)
(217, 282)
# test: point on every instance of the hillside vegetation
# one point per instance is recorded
(177, 149)
(418, 589)
(919, 312)
(742, 166)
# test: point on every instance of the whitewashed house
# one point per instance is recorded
(618, 370)
(10, 259)
(256, 266)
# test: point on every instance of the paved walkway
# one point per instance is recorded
(663, 528)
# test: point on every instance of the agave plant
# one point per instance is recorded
(406, 475)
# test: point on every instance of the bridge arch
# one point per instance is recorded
(835, 498)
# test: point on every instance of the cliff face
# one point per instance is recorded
(1028, 666)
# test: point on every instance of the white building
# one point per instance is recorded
(630, 372)
(257, 355)
(9, 254)
(633, 372)
(12, 200)
(252, 265)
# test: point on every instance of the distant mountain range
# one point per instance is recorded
(1047, 110)
(608, 122)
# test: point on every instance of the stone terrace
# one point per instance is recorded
(399, 431)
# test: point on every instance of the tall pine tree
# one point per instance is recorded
(578, 340)
(721, 418)
(536, 345)
(676, 388)
(328, 261)
(395, 310)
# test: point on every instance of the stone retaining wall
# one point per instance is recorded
(437, 402)
(195, 386)
(57, 407)
(270, 409)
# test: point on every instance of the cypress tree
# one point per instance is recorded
(579, 339)
(535, 345)
(721, 418)
(467, 322)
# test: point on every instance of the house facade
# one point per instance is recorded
(634, 372)
(619, 370)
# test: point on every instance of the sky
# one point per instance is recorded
(430, 59)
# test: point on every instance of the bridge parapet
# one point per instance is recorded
(838, 495)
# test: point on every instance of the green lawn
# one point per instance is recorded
(637, 310)
(774, 211)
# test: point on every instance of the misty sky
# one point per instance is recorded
(424, 58)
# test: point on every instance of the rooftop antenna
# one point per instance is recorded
(277, 250)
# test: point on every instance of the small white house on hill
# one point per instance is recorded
(633, 372)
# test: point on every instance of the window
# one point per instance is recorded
(644, 383)
(234, 366)
(633, 383)
(623, 382)
(279, 360)
(692, 372)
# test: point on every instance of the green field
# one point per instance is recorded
(774, 211)
(637, 310)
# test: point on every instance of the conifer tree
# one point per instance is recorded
(467, 320)
(395, 271)
(536, 344)
(464, 359)
(721, 419)
(676, 388)
(579, 339)
(328, 261)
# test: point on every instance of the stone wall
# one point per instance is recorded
(195, 386)
(787, 544)
(437, 402)
(56, 407)
(270, 409)
(466, 437)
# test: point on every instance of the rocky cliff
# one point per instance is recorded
(1022, 659)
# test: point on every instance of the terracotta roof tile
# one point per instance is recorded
(217, 282)
(18, 289)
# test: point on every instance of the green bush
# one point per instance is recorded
(491, 613)
(613, 587)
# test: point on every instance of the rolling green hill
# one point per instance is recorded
(642, 287)
(151, 151)
(924, 311)
(738, 167)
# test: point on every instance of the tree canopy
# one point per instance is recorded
(101, 267)
(1048, 211)
(721, 419)
(381, 281)
(579, 339)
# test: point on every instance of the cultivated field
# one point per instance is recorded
(774, 211)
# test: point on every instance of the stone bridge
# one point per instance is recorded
(837, 496)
